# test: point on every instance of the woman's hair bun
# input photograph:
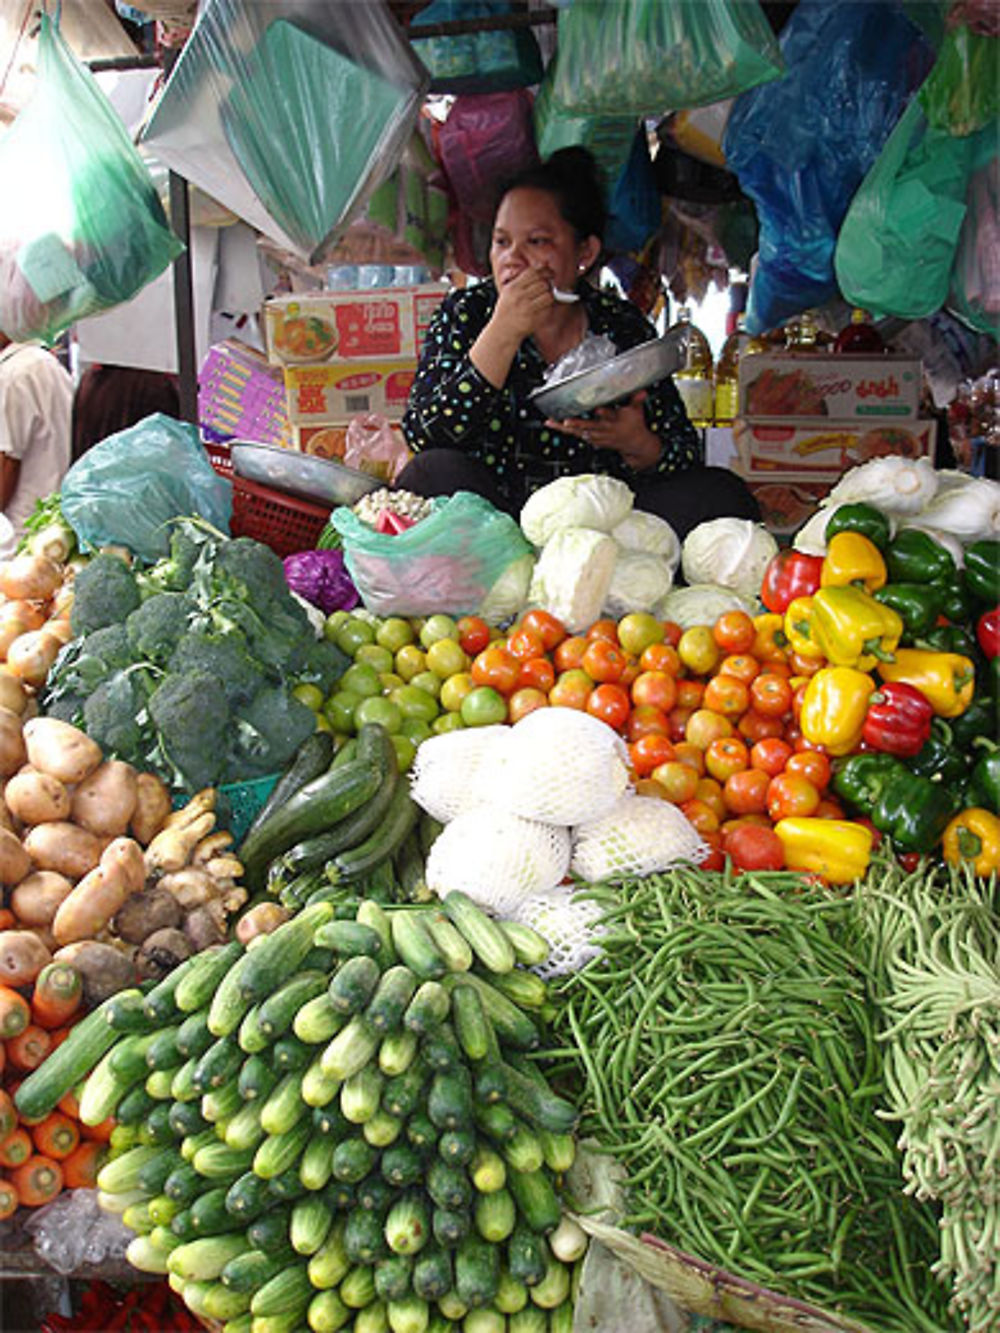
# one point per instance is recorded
(576, 164)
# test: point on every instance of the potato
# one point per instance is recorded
(101, 893)
(161, 952)
(104, 802)
(126, 854)
(105, 969)
(15, 862)
(63, 847)
(144, 913)
(260, 920)
(12, 747)
(36, 798)
(13, 695)
(152, 807)
(60, 749)
(22, 957)
(36, 899)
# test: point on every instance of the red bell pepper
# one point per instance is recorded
(788, 575)
(988, 632)
(898, 720)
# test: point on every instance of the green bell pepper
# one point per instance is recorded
(940, 758)
(860, 778)
(981, 718)
(957, 602)
(915, 557)
(914, 811)
(982, 569)
(863, 518)
(918, 604)
(984, 782)
(950, 639)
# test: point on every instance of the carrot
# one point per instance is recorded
(16, 1148)
(8, 921)
(8, 1115)
(58, 1035)
(8, 1199)
(29, 1048)
(69, 1104)
(37, 1180)
(12, 1085)
(3, 1057)
(100, 1133)
(80, 1168)
(57, 995)
(15, 1012)
(56, 1136)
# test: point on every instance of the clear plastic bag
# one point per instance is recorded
(644, 57)
(447, 562)
(373, 446)
(485, 141)
(801, 147)
(975, 278)
(81, 226)
(290, 113)
(476, 62)
(125, 490)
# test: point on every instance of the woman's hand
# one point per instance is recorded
(622, 428)
(522, 303)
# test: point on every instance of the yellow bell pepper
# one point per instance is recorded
(973, 835)
(946, 680)
(769, 642)
(798, 628)
(836, 849)
(852, 559)
(834, 706)
(852, 629)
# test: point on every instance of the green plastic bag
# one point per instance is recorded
(897, 244)
(81, 225)
(962, 92)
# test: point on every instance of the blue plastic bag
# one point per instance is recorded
(476, 62)
(635, 211)
(800, 147)
(126, 489)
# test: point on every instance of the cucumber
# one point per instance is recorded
(409, 1315)
(358, 1289)
(393, 1276)
(156, 1129)
(350, 1050)
(288, 1293)
(487, 1170)
(535, 1198)
(220, 1063)
(396, 1052)
(290, 1055)
(162, 1051)
(360, 1095)
(432, 1273)
(441, 1050)
(218, 1160)
(428, 829)
(449, 1103)
(184, 1184)
(317, 1020)
(411, 869)
(63, 1068)
(382, 1129)
(134, 1106)
(399, 818)
(193, 1036)
(316, 1163)
(279, 1152)
(451, 943)
(309, 1224)
(530, 948)
(395, 989)
(448, 1186)
(372, 914)
(537, 1103)
(523, 1150)
(350, 939)
(327, 1312)
(125, 1013)
(329, 1121)
(209, 1215)
(364, 1240)
(488, 942)
(495, 1215)
(558, 1150)
(428, 1008)
(353, 1159)
(256, 1078)
(450, 1227)
(103, 1090)
(228, 1005)
(330, 1264)
(354, 831)
(457, 1146)
(182, 1087)
(407, 1227)
(203, 1260)
(412, 941)
(511, 1295)
(512, 1027)
(313, 757)
(281, 953)
(527, 990)
(192, 1142)
(421, 1131)
(247, 1197)
(160, 1004)
(375, 1194)
(197, 986)
(497, 1122)
(279, 1009)
(251, 1269)
(250, 1036)
(477, 1271)
(354, 984)
(121, 1174)
(318, 1089)
(339, 1195)
(472, 1028)
(553, 1290)
(401, 1095)
(269, 1232)
(402, 1165)
(244, 1129)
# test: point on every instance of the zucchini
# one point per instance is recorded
(364, 1240)
(160, 1004)
(330, 1264)
(488, 942)
(352, 1160)
(530, 948)
(317, 1020)
(197, 986)
(400, 816)
(251, 1269)
(402, 1165)
(512, 1027)
(428, 1009)
(327, 1312)
(477, 1271)
(284, 1107)
(407, 1227)
(354, 831)
(256, 1078)
(450, 1227)
(396, 1052)
(432, 1273)
(125, 1012)
(413, 943)
(353, 984)
(382, 1129)
(316, 1163)
(309, 1224)
(350, 1050)
(278, 1011)
(393, 1276)
(63, 1068)
(279, 1152)
(457, 1146)
(450, 943)
(495, 1215)
(535, 1198)
(449, 1102)
(287, 1293)
(281, 953)
(193, 1036)
(313, 757)
(360, 1095)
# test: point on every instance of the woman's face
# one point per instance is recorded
(530, 232)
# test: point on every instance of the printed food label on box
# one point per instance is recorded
(317, 327)
(772, 447)
(839, 387)
(335, 393)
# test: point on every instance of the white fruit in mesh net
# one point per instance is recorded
(569, 925)
(457, 771)
(639, 835)
(498, 859)
(562, 766)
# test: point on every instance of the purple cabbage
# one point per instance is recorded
(320, 577)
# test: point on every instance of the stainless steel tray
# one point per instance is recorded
(301, 474)
(618, 378)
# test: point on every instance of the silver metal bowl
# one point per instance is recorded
(616, 379)
(300, 474)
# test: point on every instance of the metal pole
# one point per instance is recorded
(187, 363)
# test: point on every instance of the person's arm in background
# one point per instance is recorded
(10, 470)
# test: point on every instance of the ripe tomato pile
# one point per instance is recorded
(710, 714)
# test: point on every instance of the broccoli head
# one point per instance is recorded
(254, 568)
(323, 664)
(82, 665)
(156, 627)
(191, 715)
(275, 637)
(110, 717)
(269, 730)
(175, 571)
(105, 592)
(109, 645)
(223, 656)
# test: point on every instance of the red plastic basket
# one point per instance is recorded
(220, 456)
(280, 521)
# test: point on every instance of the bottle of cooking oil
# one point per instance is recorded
(737, 346)
(694, 378)
(801, 334)
(860, 335)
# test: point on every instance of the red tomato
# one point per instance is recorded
(677, 720)
(568, 653)
(745, 792)
(524, 643)
(496, 667)
(754, 726)
(691, 754)
(525, 701)
(603, 660)
(473, 634)
(538, 673)
(734, 631)
(672, 633)
(550, 630)
(726, 695)
(678, 780)
(645, 720)
(770, 694)
(716, 858)
(689, 693)
(709, 792)
(610, 703)
(649, 751)
(661, 657)
(704, 727)
(604, 629)
(791, 795)
(725, 756)
(811, 764)
(741, 665)
(571, 689)
(752, 847)
(655, 687)
(829, 808)
(701, 816)
(770, 755)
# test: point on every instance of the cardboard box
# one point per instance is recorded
(793, 386)
(828, 448)
(241, 397)
(786, 502)
(316, 327)
(334, 393)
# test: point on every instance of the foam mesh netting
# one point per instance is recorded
(498, 859)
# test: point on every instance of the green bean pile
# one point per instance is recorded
(936, 941)
(723, 1048)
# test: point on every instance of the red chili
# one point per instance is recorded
(988, 632)
(898, 720)
(788, 575)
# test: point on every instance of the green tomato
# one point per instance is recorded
(375, 656)
(333, 623)
(405, 750)
(483, 707)
(394, 633)
(381, 710)
(390, 681)
(352, 634)
(416, 729)
(361, 678)
(410, 661)
(309, 694)
(446, 657)
(438, 627)
(447, 722)
(415, 702)
(427, 681)
(339, 710)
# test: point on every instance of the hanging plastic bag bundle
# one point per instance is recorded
(962, 94)
(490, 61)
(125, 490)
(81, 226)
(643, 57)
(485, 141)
(801, 147)
(975, 277)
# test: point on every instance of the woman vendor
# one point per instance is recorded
(469, 420)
